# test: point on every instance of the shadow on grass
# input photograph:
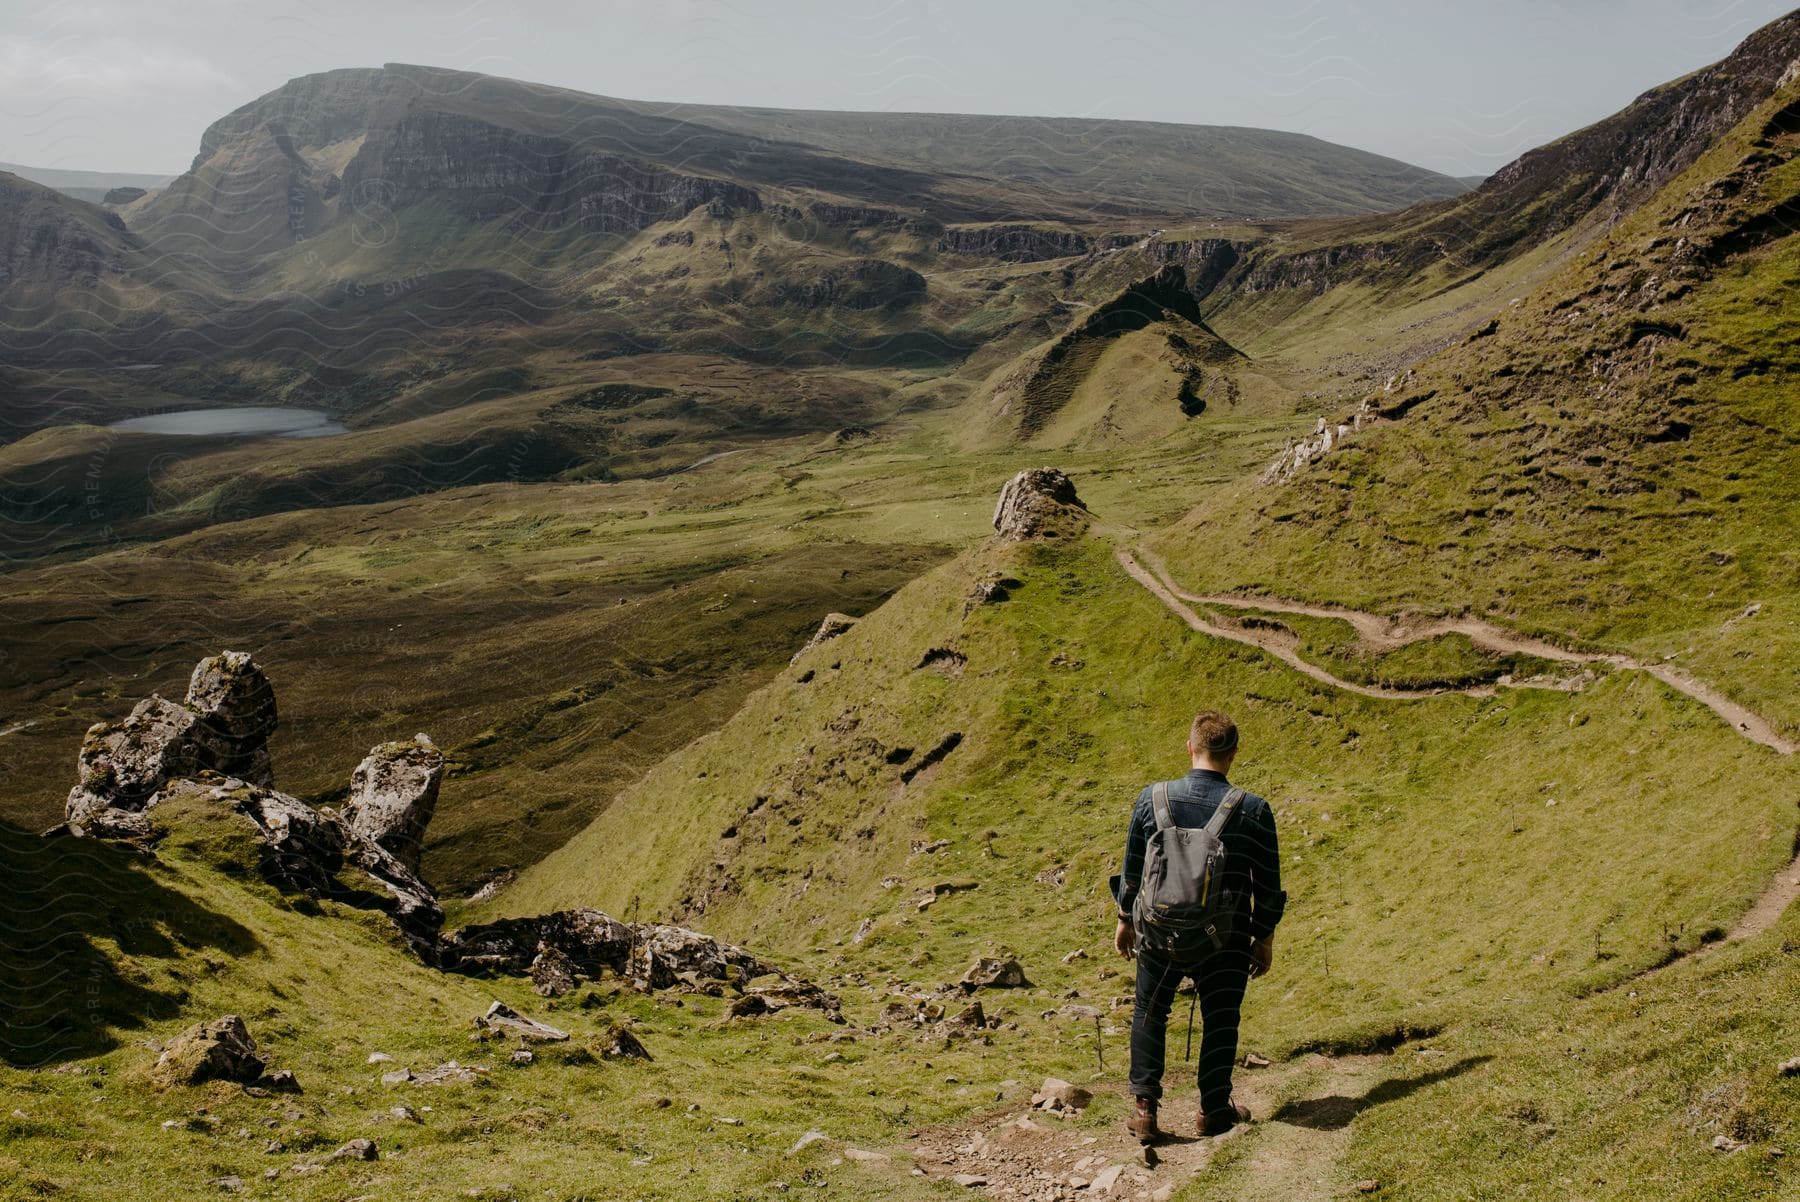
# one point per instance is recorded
(80, 919)
(1335, 1111)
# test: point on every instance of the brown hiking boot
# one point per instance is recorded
(1142, 1122)
(1221, 1121)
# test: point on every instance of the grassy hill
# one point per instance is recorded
(1609, 459)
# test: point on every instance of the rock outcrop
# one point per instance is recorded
(1326, 437)
(210, 752)
(1039, 502)
(1014, 243)
(154, 771)
(863, 284)
(221, 1050)
(223, 725)
(235, 707)
(593, 941)
(833, 625)
(394, 793)
(556, 949)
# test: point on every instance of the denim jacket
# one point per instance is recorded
(1252, 852)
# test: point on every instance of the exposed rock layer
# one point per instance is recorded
(1036, 503)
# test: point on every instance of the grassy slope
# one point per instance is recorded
(153, 946)
(1145, 164)
(1073, 691)
(1450, 860)
(1536, 465)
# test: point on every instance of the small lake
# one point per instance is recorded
(252, 421)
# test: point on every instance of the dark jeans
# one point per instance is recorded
(1220, 977)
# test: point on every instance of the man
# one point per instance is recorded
(1252, 881)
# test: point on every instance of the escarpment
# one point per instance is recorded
(483, 171)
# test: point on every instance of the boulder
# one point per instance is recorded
(504, 1019)
(992, 973)
(123, 766)
(620, 1044)
(1039, 502)
(393, 794)
(1058, 1095)
(552, 972)
(234, 705)
(220, 1050)
(664, 951)
(971, 1016)
(356, 1149)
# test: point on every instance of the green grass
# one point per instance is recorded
(1540, 488)
(1433, 886)
(1443, 661)
(1440, 850)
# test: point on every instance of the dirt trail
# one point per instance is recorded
(1020, 1153)
(1780, 894)
(1292, 1151)
(1384, 634)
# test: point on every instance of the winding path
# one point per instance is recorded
(1386, 634)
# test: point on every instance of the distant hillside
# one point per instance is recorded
(1113, 166)
(90, 186)
(1143, 166)
(1607, 458)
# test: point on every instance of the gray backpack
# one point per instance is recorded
(1181, 902)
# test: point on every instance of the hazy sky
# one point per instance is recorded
(1456, 85)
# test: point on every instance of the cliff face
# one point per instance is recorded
(1014, 243)
(252, 196)
(1204, 261)
(866, 284)
(484, 171)
(1596, 173)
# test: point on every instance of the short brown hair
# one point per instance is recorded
(1213, 733)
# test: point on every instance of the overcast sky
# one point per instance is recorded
(1456, 85)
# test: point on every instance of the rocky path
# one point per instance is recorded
(1017, 1154)
(1386, 634)
(1292, 1151)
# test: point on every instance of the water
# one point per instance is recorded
(253, 422)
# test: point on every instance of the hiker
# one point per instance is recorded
(1217, 927)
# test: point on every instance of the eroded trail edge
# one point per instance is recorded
(1387, 634)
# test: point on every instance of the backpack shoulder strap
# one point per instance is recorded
(1227, 807)
(1159, 805)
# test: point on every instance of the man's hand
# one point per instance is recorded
(1125, 940)
(1262, 955)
